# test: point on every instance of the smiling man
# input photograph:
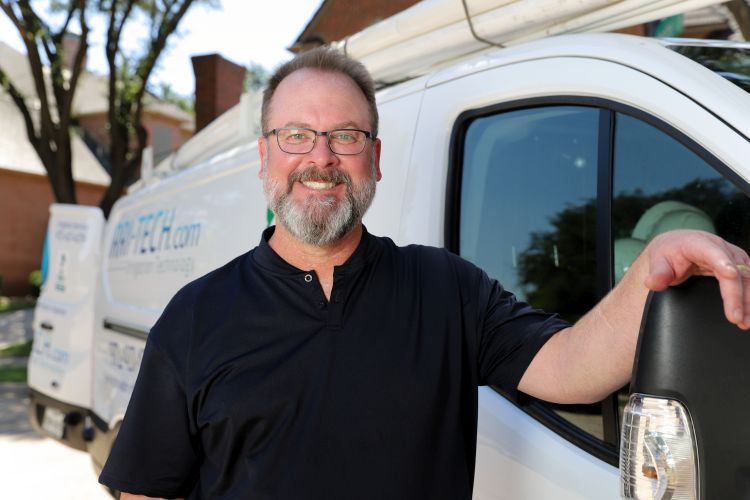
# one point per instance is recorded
(328, 363)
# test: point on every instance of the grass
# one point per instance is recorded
(13, 374)
(20, 350)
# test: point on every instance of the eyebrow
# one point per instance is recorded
(346, 124)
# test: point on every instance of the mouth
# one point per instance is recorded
(318, 185)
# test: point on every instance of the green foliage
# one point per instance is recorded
(35, 278)
(256, 77)
(20, 350)
(13, 374)
(568, 286)
(8, 304)
(166, 93)
(35, 282)
(49, 121)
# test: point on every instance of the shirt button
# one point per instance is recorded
(308, 278)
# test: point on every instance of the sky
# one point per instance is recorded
(242, 31)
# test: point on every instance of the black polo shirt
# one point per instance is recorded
(254, 386)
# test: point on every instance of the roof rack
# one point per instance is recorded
(432, 33)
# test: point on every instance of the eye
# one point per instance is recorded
(345, 136)
(295, 135)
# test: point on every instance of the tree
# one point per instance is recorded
(256, 77)
(49, 131)
(166, 93)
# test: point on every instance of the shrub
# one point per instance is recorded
(35, 281)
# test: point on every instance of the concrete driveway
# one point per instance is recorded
(34, 467)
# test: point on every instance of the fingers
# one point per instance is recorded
(734, 283)
(661, 275)
(674, 257)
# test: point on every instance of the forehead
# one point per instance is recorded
(318, 98)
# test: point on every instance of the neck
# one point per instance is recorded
(319, 259)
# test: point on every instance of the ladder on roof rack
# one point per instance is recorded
(434, 32)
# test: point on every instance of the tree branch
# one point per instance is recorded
(36, 66)
(20, 103)
(68, 18)
(77, 69)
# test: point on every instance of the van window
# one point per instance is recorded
(528, 211)
(659, 184)
(528, 208)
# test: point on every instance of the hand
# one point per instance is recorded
(674, 256)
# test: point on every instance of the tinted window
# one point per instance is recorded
(659, 185)
(528, 197)
(527, 204)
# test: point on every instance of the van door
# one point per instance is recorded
(555, 173)
(60, 367)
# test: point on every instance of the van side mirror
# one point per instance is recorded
(692, 368)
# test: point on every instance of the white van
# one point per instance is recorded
(60, 366)
(550, 165)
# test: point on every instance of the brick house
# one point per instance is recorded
(25, 193)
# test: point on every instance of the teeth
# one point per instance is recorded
(319, 185)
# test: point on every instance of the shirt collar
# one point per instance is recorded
(267, 258)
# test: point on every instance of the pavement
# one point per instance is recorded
(32, 466)
(15, 327)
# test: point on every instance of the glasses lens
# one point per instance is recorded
(295, 140)
(347, 141)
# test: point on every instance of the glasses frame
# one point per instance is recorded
(327, 134)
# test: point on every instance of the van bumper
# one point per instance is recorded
(76, 427)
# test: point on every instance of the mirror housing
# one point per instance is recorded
(688, 351)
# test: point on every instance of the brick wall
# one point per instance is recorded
(24, 210)
(218, 87)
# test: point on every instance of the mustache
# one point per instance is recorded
(314, 174)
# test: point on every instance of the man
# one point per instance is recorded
(328, 363)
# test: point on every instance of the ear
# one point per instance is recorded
(376, 159)
(263, 152)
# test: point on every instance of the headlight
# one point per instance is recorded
(658, 458)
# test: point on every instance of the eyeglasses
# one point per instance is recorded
(341, 141)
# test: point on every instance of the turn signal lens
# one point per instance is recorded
(658, 458)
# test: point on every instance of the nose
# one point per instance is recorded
(321, 155)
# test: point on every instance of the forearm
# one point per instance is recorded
(586, 362)
(594, 357)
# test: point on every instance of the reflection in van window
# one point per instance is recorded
(660, 185)
(528, 204)
(528, 197)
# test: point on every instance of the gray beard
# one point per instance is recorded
(320, 221)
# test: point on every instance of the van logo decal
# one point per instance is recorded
(153, 232)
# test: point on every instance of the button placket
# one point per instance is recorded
(315, 292)
(335, 307)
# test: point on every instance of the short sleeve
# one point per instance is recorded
(512, 332)
(154, 453)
